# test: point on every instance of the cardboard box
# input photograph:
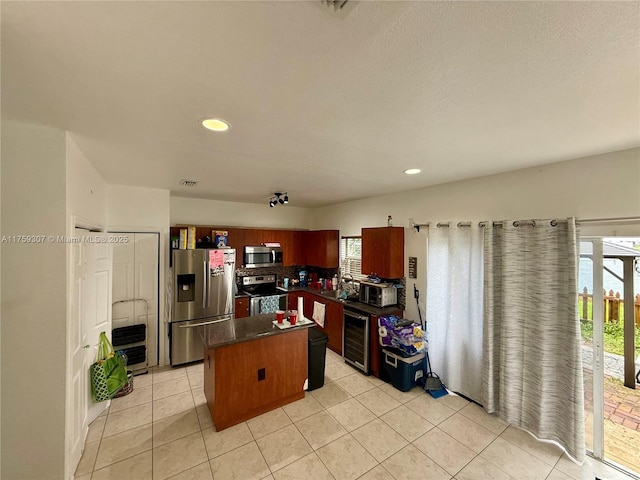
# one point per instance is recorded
(191, 238)
(220, 238)
(183, 239)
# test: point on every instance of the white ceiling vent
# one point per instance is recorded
(188, 183)
(335, 4)
(342, 6)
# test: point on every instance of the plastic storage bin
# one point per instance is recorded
(316, 359)
(404, 372)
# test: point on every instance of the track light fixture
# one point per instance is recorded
(280, 198)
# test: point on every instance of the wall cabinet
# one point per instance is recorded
(320, 248)
(317, 248)
(242, 307)
(383, 251)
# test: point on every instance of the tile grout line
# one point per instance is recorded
(402, 403)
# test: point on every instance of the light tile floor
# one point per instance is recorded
(355, 427)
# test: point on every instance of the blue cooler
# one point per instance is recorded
(404, 372)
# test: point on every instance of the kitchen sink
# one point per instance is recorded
(330, 293)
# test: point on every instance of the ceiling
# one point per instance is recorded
(327, 106)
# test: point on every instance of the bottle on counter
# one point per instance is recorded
(334, 282)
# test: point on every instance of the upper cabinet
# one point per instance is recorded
(320, 248)
(383, 251)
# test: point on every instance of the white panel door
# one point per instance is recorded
(136, 286)
(99, 297)
(90, 314)
(77, 339)
(123, 282)
(146, 288)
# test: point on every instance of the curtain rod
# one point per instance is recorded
(521, 223)
(610, 219)
(517, 223)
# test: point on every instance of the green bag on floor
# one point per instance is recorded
(108, 372)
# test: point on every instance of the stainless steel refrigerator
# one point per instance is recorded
(203, 293)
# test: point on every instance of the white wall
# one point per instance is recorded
(140, 209)
(600, 186)
(86, 190)
(197, 211)
(33, 303)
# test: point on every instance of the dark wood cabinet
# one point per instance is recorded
(319, 248)
(292, 301)
(252, 237)
(242, 307)
(236, 240)
(332, 316)
(333, 325)
(383, 251)
(248, 378)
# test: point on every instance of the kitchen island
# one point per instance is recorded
(251, 366)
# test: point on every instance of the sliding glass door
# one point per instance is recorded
(607, 276)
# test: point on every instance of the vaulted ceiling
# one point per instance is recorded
(328, 106)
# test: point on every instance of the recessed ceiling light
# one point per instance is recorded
(412, 171)
(215, 124)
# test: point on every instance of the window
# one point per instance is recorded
(351, 257)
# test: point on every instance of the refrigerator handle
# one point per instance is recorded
(204, 285)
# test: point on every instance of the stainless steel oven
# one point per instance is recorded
(355, 339)
(260, 286)
(254, 303)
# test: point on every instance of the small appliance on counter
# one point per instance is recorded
(378, 294)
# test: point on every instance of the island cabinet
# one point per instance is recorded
(242, 307)
(383, 252)
(252, 367)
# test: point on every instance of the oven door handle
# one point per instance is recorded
(357, 316)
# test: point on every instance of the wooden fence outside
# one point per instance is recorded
(613, 306)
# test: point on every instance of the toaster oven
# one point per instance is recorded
(378, 294)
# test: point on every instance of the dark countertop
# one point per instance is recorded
(238, 330)
(350, 304)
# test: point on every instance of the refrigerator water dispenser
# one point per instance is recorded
(186, 286)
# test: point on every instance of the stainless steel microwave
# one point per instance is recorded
(378, 294)
(261, 256)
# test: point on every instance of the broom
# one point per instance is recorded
(432, 383)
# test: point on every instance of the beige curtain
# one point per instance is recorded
(532, 375)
